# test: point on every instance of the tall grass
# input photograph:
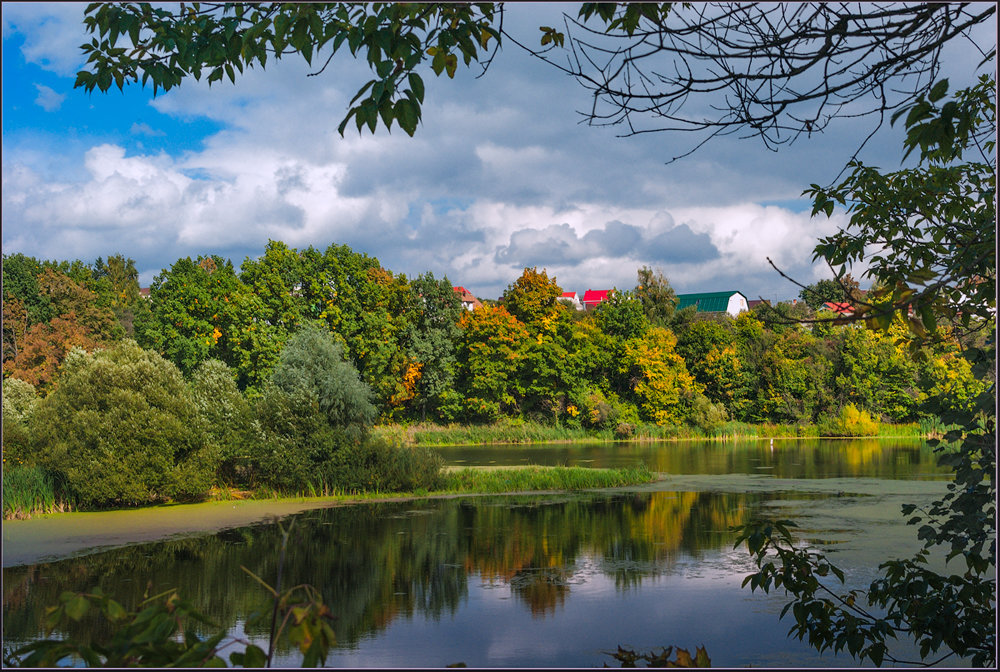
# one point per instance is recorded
(514, 432)
(525, 479)
(29, 491)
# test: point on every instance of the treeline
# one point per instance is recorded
(634, 359)
(273, 376)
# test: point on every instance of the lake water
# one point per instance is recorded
(543, 580)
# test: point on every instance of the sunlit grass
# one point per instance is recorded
(531, 478)
(29, 491)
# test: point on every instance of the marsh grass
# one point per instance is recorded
(533, 477)
(522, 433)
(29, 491)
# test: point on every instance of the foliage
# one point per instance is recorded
(28, 490)
(933, 227)
(165, 631)
(314, 406)
(938, 220)
(432, 345)
(532, 299)
(657, 377)
(623, 315)
(75, 320)
(936, 610)
(312, 366)
(227, 417)
(661, 658)
(846, 289)
(657, 297)
(378, 466)
(850, 422)
(121, 427)
(395, 39)
(202, 311)
(490, 354)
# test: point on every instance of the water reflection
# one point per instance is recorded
(526, 581)
(377, 563)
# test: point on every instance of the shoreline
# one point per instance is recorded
(53, 537)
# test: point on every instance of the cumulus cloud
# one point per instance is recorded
(498, 178)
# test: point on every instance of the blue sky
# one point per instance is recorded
(499, 176)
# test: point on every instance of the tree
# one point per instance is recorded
(314, 406)
(656, 295)
(641, 61)
(121, 428)
(778, 72)
(845, 289)
(938, 219)
(432, 345)
(622, 315)
(123, 279)
(532, 298)
(491, 353)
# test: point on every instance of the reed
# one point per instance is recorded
(29, 491)
(533, 477)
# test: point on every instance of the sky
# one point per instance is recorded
(500, 176)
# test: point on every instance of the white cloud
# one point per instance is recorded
(53, 33)
(48, 99)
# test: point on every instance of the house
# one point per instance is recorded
(144, 292)
(753, 303)
(593, 297)
(841, 308)
(731, 302)
(573, 299)
(469, 302)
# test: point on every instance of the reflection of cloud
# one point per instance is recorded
(48, 99)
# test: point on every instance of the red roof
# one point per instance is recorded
(467, 297)
(568, 295)
(592, 297)
(842, 308)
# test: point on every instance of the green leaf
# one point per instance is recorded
(938, 91)
(77, 607)
(417, 85)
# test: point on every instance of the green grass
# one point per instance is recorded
(29, 491)
(531, 478)
(520, 433)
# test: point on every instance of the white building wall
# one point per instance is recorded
(737, 304)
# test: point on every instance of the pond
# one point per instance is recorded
(542, 580)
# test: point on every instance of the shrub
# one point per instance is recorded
(314, 406)
(19, 399)
(121, 427)
(850, 422)
(707, 416)
(377, 465)
(228, 419)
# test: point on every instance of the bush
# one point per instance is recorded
(19, 399)
(121, 428)
(314, 406)
(707, 416)
(227, 417)
(850, 422)
(379, 466)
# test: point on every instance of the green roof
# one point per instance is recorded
(706, 302)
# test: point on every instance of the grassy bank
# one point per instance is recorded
(516, 432)
(469, 481)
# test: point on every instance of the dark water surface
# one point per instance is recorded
(545, 580)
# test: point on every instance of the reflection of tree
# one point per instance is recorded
(377, 562)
